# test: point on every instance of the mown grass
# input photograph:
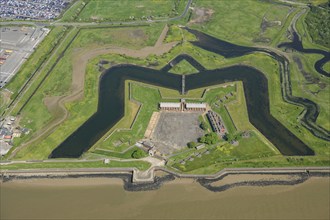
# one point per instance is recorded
(127, 10)
(141, 165)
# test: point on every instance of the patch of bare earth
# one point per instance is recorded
(201, 15)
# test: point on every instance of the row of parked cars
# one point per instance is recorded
(32, 9)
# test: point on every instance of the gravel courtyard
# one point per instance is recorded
(174, 130)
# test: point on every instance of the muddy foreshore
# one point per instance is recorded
(292, 178)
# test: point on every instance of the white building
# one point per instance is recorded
(196, 106)
(170, 106)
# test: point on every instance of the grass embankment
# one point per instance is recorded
(183, 68)
(141, 165)
(240, 21)
(125, 155)
(274, 161)
(127, 10)
(149, 97)
(71, 13)
(175, 33)
(58, 84)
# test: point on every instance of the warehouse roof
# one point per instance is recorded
(170, 105)
(195, 105)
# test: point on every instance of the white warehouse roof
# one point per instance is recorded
(170, 105)
(195, 105)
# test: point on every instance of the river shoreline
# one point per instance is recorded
(219, 182)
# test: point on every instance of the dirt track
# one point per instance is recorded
(56, 104)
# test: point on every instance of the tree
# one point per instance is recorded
(192, 144)
(210, 138)
(229, 137)
(137, 154)
(203, 125)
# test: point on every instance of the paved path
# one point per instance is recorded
(148, 176)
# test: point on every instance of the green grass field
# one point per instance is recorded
(141, 165)
(239, 22)
(127, 10)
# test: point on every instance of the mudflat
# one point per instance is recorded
(180, 199)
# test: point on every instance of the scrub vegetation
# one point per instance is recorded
(317, 21)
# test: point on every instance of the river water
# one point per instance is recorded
(180, 199)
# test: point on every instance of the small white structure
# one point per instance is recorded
(152, 152)
(196, 106)
(201, 146)
(106, 161)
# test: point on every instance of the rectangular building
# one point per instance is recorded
(196, 106)
(172, 106)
